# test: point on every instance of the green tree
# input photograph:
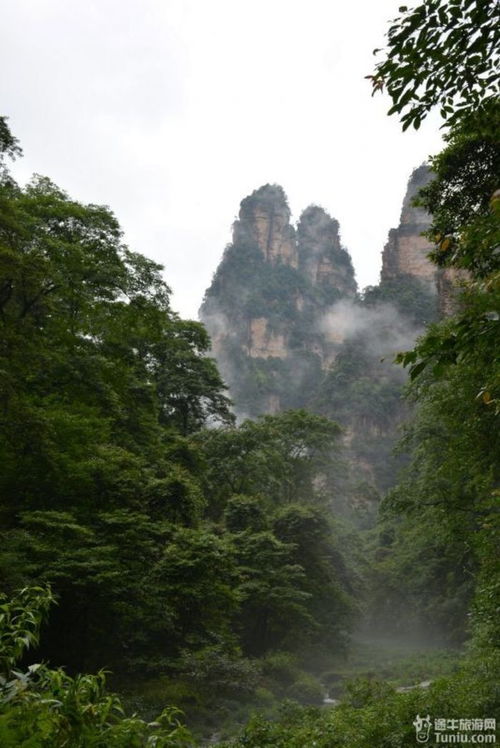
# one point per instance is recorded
(44, 707)
(447, 52)
(277, 457)
(263, 482)
(273, 598)
(442, 52)
(328, 582)
(101, 386)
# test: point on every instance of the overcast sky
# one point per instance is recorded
(172, 111)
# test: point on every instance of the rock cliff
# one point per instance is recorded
(322, 259)
(289, 329)
(264, 219)
(270, 291)
(406, 252)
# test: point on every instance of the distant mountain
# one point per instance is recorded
(289, 328)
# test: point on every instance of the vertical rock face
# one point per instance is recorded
(271, 288)
(263, 342)
(277, 343)
(406, 250)
(264, 220)
(448, 284)
(406, 253)
(322, 259)
(289, 330)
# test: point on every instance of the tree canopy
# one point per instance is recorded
(444, 53)
(127, 487)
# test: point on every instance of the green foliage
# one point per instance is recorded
(465, 176)
(9, 145)
(472, 336)
(281, 667)
(20, 621)
(397, 659)
(97, 321)
(44, 707)
(442, 52)
(421, 580)
(451, 482)
(329, 581)
(466, 229)
(162, 539)
(294, 588)
(365, 691)
(219, 672)
(365, 395)
(378, 715)
(274, 296)
(102, 384)
(251, 287)
(276, 457)
(448, 492)
(274, 602)
(197, 576)
(307, 690)
(408, 294)
(448, 495)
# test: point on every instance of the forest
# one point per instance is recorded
(174, 576)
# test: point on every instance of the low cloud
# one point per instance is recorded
(385, 331)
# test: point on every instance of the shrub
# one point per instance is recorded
(46, 708)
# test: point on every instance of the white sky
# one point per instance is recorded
(172, 111)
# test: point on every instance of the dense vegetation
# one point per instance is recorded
(201, 560)
(182, 551)
(437, 550)
(47, 707)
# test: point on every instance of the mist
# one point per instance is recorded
(385, 331)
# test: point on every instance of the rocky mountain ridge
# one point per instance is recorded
(275, 281)
(289, 328)
(406, 250)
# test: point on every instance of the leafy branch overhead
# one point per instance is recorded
(441, 53)
(446, 53)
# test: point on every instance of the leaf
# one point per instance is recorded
(417, 369)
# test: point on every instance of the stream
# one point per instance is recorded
(328, 701)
